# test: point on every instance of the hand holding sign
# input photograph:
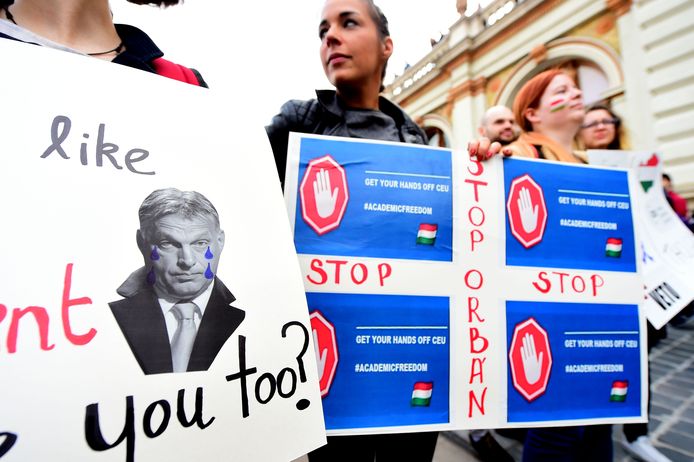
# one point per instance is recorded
(528, 213)
(325, 200)
(532, 363)
(320, 355)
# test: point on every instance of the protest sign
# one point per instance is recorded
(451, 294)
(88, 372)
(666, 248)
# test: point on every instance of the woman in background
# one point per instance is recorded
(602, 129)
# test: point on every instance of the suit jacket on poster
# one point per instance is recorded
(142, 322)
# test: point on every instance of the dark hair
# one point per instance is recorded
(667, 177)
(6, 3)
(616, 143)
(382, 26)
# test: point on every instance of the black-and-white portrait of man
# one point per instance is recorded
(176, 314)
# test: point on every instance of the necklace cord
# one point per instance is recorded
(116, 50)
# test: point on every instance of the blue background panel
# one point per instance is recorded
(375, 399)
(567, 247)
(368, 233)
(579, 395)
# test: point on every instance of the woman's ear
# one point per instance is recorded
(387, 48)
(531, 115)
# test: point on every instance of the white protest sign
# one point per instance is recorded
(87, 373)
(450, 294)
(667, 246)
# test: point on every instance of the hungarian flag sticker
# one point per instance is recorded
(613, 247)
(619, 391)
(421, 394)
(427, 234)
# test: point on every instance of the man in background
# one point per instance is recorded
(498, 124)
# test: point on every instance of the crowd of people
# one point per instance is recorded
(354, 52)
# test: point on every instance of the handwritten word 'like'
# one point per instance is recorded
(60, 130)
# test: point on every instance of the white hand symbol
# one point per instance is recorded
(528, 213)
(325, 201)
(532, 363)
(320, 355)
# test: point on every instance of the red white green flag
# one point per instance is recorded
(649, 172)
(619, 391)
(427, 234)
(421, 394)
(557, 105)
(613, 247)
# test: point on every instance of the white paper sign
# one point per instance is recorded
(86, 371)
(667, 246)
(450, 294)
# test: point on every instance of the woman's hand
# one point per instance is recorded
(483, 149)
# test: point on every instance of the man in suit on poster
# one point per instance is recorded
(176, 314)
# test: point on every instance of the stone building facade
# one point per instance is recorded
(638, 55)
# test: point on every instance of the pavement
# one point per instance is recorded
(671, 424)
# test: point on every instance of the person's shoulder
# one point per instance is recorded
(521, 148)
(175, 71)
(223, 298)
(221, 291)
(120, 304)
(141, 52)
(581, 155)
(124, 306)
(412, 132)
(301, 112)
(296, 115)
(133, 299)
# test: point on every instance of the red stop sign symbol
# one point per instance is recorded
(527, 211)
(324, 194)
(325, 343)
(530, 359)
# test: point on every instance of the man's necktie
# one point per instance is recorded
(184, 337)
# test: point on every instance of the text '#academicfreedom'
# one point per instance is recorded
(391, 367)
(569, 223)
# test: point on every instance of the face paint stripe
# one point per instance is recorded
(557, 105)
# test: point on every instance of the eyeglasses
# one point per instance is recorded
(598, 122)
